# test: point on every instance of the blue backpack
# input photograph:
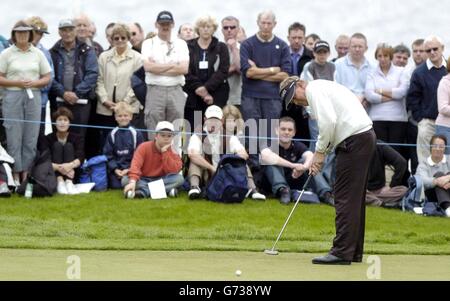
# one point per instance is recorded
(229, 183)
(94, 170)
(412, 196)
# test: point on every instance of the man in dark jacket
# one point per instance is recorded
(76, 72)
(300, 55)
(378, 194)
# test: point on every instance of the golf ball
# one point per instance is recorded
(238, 273)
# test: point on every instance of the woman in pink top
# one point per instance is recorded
(443, 96)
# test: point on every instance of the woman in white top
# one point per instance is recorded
(386, 89)
(435, 173)
(24, 70)
(116, 66)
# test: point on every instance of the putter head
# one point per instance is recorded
(271, 252)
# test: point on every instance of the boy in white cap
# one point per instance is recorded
(154, 160)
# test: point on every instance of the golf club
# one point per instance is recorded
(273, 251)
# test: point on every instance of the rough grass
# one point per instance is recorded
(106, 221)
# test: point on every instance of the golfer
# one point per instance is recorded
(344, 126)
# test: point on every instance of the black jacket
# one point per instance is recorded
(385, 155)
(216, 79)
(305, 58)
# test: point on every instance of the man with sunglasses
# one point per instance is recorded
(166, 61)
(137, 36)
(422, 94)
(230, 29)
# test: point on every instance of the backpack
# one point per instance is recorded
(432, 209)
(412, 196)
(41, 175)
(94, 170)
(229, 183)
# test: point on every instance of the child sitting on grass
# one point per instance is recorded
(67, 151)
(120, 145)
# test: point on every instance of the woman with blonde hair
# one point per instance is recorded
(233, 125)
(209, 61)
(116, 66)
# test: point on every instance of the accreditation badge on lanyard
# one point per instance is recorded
(203, 64)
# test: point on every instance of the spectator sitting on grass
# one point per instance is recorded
(435, 173)
(66, 149)
(155, 160)
(204, 151)
(121, 144)
(288, 169)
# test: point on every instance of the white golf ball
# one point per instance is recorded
(238, 273)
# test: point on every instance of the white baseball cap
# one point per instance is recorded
(214, 112)
(164, 126)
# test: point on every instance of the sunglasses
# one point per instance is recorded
(120, 38)
(229, 27)
(435, 49)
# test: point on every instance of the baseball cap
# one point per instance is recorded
(22, 28)
(164, 126)
(66, 23)
(287, 90)
(321, 45)
(164, 17)
(214, 112)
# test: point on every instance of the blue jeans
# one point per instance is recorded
(172, 180)
(313, 133)
(278, 177)
(445, 131)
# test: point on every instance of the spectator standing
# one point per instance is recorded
(24, 70)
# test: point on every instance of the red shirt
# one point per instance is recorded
(148, 161)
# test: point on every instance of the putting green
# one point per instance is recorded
(30, 264)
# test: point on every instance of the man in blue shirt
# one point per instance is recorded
(265, 62)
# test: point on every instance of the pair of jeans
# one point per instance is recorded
(173, 180)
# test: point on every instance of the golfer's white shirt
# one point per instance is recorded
(338, 112)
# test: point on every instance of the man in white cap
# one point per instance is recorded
(205, 150)
(154, 160)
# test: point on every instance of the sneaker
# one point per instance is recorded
(173, 193)
(255, 195)
(194, 192)
(129, 194)
(16, 184)
(285, 195)
(4, 190)
(61, 188)
(447, 212)
(139, 194)
(71, 189)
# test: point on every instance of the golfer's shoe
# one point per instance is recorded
(173, 193)
(254, 194)
(194, 192)
(330, 259)
(285, 195)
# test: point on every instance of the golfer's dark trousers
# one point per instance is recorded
(353, 157)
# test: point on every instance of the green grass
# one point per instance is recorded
(106, 221)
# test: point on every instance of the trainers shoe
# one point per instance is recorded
(71, 189)
(328, 198)
(447, 212)
(139, 194)
(61, 188)
(173, 192)
(129, 194)
(255, 195)
(4, 190)
(194, 192)
(285, 195)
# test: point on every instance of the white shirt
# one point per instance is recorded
(397, 81)
(338, 112)
(196, 146)
(162, 53)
